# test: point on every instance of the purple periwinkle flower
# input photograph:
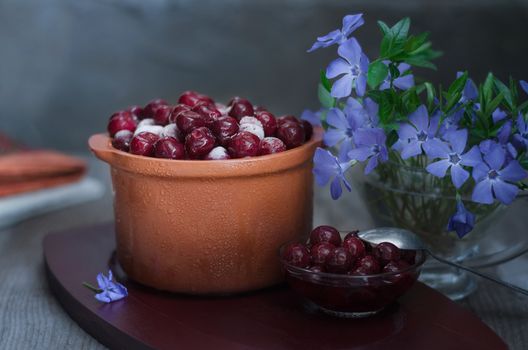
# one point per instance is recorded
(366, 113)
(521, 137)
(498, 115)
(342, 125)
(312, 117)
(470, 92)
(108, 290)
(451, 122)
(370, 144)
(524, 86)
(327, 167)
(350, 24)
(420, 134)
(351, 67)
(452, 157)
(462, 221)
(489, 145)
(494, 176)
(403, 82)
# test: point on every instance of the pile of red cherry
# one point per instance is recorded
(327, 252)
(199, 128)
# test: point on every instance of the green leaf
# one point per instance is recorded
(505, 92)
(458, 85)
(524, 163)
(401, 30)
(324, 80)
(492, 106)
(383, 27)
(421, 62)
(377, 72)
(324, 96)
(430, 94)
(523, 105)
(454, 93)
(394, 39)
(386, 106)
(416, 44)
(392, 137)
(375, 95)
(394, 71)
(487, 88)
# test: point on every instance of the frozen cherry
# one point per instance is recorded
(287, 118)
(320, 252)
(291, 133)
(351, 234)
(249, 120)
(191, 98)
(208, 112)
(217, 153)
(367, 265)
(224, 128)
(268, 121)
(177, 110)
(308, 130)
(260, 109)
(121, 140)
(396, 266)
(222, 108)
(338, 260)
(187, 121)
(241, 108)
(162, 114)
(355, 247)
(151, 107)
(243, 144)
(255, 129)
(296, 254)
(408, 255)
(170, 148)
(155, 129)
(385, 252)
(171, 130)
(270, 145)
(143, 144)
(146, 121)
(325, 233)
(136, 111)
(233, 100)
(199, 142)
(121, 121)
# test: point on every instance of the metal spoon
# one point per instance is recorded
(405, 239)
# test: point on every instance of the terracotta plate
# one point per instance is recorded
(270, 319)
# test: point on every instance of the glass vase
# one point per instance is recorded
(405, 195)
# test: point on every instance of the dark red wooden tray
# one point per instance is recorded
(270, 319)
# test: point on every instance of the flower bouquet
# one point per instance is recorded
(438, 160)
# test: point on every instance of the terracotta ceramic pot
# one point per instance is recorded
(208, 227)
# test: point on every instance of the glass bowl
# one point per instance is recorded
(351, 296)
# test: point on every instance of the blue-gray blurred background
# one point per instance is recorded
(66, 65)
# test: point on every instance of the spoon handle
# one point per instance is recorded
(493, 279)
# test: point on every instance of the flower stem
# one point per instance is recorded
(92, 288)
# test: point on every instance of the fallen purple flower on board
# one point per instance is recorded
(108, 291)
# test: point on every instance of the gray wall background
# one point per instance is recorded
(66, 65)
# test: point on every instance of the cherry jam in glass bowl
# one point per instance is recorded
(346, 276)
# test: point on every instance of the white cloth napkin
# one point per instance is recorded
(17, 208)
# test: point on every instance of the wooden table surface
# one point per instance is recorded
(30, 317)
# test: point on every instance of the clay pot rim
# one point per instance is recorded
(100, 145)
